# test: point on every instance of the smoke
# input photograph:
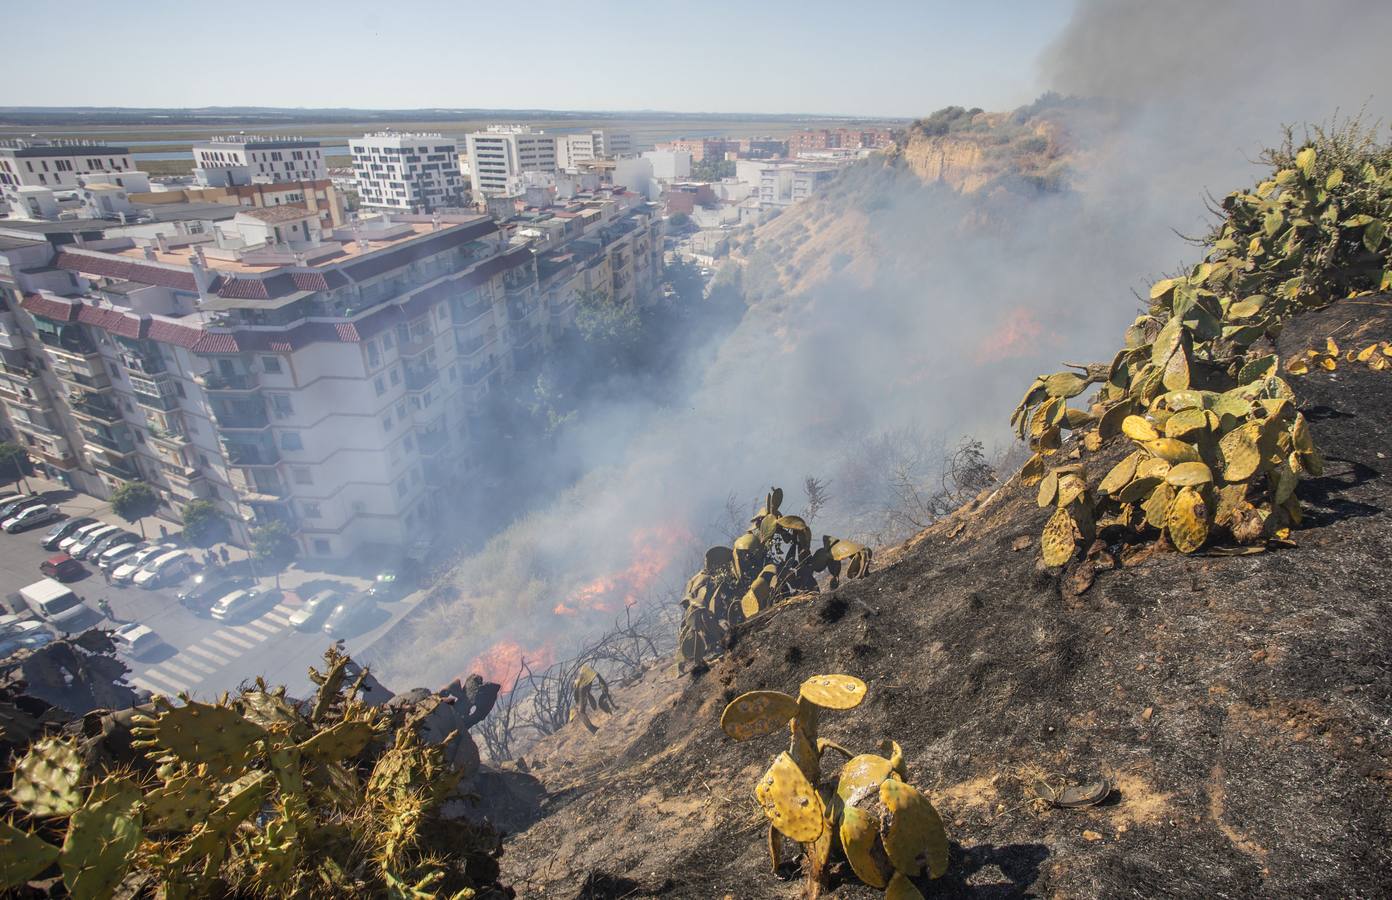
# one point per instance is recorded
(893, 312)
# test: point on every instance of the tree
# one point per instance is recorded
(678, 220)
(686, 282)
(133, 501)
(611, 328)
(274, 547)
(14, 463)
(203, 524)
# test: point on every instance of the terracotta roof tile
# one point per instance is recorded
(49, 308)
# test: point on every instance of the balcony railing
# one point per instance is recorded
(414, 343)
(161, 402)
(116, 469)
(250, 455)
(478, 374)
(238, 381)
(241, 418)
(474, 345)
(421, 377)
(433, 442)
(110, 442)
(167, 435)
(92, 408)
(148, 363)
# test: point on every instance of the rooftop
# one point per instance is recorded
(276, 214)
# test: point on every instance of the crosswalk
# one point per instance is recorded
(192, 665)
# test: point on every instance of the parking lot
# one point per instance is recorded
(196, 653)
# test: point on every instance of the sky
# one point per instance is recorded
(890, 58)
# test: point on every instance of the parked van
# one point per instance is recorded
(53, 602)
(164, 569)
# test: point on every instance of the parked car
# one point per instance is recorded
(67, 543)
(207, 588)
(31, 517)
(111, 540)
(111, 557)
(78, 548)
(7, 499)
(240, 603)
(387, 586)
(63, 529)
(136, 639)
(11, 507)
(53, 602)
(32, 641)
(349, 616)
(126, 570)
(314, 609)
(167, 568)
(62, 567)
(9, 620)
(23, 628)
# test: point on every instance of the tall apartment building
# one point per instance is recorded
(252, 159)
(410, 172)
(587, 146)
(330, 379)
(498, 155)
(53, 165)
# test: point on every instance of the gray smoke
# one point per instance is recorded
(949, 306)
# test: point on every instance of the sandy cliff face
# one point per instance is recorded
(960, 164)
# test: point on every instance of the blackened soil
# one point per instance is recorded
(1241, 705)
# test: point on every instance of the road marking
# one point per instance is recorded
(171, 686)
(267, 628)
(279, 620)
(283, 609)
(146, 685)
(226, 635)
(180, 671)
(208, 654)
(200, 666)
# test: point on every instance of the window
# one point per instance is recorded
(387, 422)
(410, 443)
(280, 405)
(380, 384)
(302, 475)
(402, 410)
(374, 358)
(290, 440)
(388, 341)
(310, 510)
(321, 547)
(401, 488)
(271, 364)
(395, 376)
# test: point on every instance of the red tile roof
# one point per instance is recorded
(49, 308)
(185, 336)
(128, 270)
(112, 320)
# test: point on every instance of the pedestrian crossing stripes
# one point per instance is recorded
(225, 635)
(196, 662)
(278, 619)
(208, 654)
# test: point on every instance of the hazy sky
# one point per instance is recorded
(872, 57)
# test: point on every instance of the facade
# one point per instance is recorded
(669, 165)
(321, 197)
(702, 148)
(501, 153)
(787, 183)
(53, 165)
(242, 159)
(587, 146)
(409, 172)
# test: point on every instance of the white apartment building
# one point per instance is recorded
(669, 165)
(612, 144)
(587, 146)
(54, 165)
(409, 172)
(253, 159)
(503, 152)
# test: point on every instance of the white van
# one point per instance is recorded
(66, 543)
(164, 569)
(53, 602)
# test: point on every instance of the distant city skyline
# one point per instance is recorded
(882, 58)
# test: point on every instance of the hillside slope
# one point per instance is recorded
(1239, 704)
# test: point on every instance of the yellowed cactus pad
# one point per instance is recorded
(860, 831)
(1189, 474)
(915, 836)
(862, 776)
(1138, 429)
(1121, 474)
(901, 888)
(1058, 541)
(1173, 451)
(1241, 456)
(1188, 521)
(833, 691)
(790, 801)
(757, 713)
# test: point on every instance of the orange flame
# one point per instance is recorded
(1018, 333)
(653, 551)
(501, 662)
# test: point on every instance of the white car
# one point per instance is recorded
(112, 557)
(30, 517)
(128, 567)
(66, 543)
(166, 568)
(86, 542)
(237, 604)
(136, 639)
(314, 609)
(25, 628)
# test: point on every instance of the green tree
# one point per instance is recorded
(133, 501)
(14, 463)
(678, 220)
(273, 547)
(203, 524)
(686, 282)
(613, 330)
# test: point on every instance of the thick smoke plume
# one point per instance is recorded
(943, 308)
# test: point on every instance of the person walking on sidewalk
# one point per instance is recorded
(105, 606)
(226, 557)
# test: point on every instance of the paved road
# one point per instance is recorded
(199, 654)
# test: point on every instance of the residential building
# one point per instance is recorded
(322, 197)
(669, 165)
(702, 149)
(409, 172)
(762, 148)
(53, 165)
(254, 159)
(503, 152)
(585, 146)
(786, 183)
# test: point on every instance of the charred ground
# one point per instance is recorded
(1241, 705)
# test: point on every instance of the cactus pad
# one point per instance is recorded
(757, 713)
(913, 832)
(1173, 451)
(1120, 475)
(46, 779)
(1241, 456)
(340, 741)
(197, 733)
(901, 888)
(179, 804)
(100, 844)
(860, 841)
(22, 855)
(1188, 520)
(1139, 429)
(1190, 474)
(790, 801)
(833, 691)
(1058, 540)
(862, 776)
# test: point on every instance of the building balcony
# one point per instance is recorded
(249, 418)
(118, 443)
(118, 469)
(474, 345)
(64, 460)
(432, 443)
(415, 343)
(250, 454)
(87, 375)
(70, 349)
(170, 437)
(238, 381)
(418, 378)
(94, 407)
(479, 374)
(144, 363)
(157, 401)
(33, 422)
(471, 314)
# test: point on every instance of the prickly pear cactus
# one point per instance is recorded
(886, 829)
(46, 779)
(102, 837)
